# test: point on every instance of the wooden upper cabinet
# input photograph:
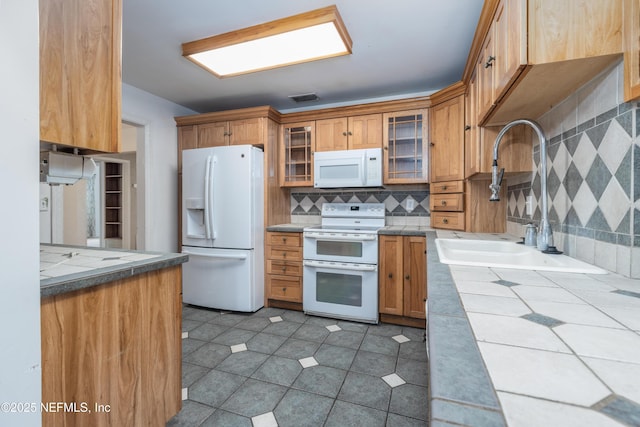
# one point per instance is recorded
(212, 134)
(331, 134)
(573, 29)
(631, 28)
(350, 133)
(296, 150)
(80, 67)
(234, 132)
(405, 151)
(541, 51)
(447, 140)
(365, 131)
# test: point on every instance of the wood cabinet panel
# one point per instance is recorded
(415, 276)
(390, 277)
(331, 134)
(631, 31)
(561, 31)
(447, 140)
(117, 344)
(80, 95)
(403, 276)
(212, 135)
(246, 132)
(365, 131)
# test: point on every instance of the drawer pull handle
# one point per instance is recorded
(444, 203)
(445, 221)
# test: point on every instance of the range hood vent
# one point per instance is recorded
(61, 168)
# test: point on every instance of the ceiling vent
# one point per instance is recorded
(305, 98)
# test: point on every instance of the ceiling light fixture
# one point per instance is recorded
(306, 37)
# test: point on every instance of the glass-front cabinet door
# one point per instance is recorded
(405, 150)
(296, 153)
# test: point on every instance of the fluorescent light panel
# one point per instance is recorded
(306, 37)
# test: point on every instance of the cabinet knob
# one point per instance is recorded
(467, 127)
(350, 133)
(344, 134)
(444, 188)
(390, 275)
(444, 203)
(386, 148)
(284, 239)
(284, 254)
(445, 221)
(432, 144)
(489, 62)
(284, 289)
(424, 300)
(284, 269)
(406, 277)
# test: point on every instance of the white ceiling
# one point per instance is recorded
(401, 48)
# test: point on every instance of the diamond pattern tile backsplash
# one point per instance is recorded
(593, 180)
(395, 201)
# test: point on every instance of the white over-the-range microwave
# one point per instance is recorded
(348, 168)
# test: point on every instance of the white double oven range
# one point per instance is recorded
(341, 262)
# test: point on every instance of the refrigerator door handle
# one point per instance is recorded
(239, 257)
(207, 194)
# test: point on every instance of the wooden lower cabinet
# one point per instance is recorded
(402, 279)
(115, 348)
(284, 269)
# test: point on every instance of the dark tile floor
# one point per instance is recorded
(249, 370)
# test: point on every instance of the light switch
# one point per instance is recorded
(410, 204)
(529, 205)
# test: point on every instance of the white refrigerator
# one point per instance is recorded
(222, 227)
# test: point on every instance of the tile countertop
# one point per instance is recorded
(531, 348)
(68, 268)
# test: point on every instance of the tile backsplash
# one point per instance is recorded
(397, 203)
(593, 177)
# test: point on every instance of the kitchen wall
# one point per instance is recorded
(20, 369)
(307, 203)
(593, 176)
(157, 184)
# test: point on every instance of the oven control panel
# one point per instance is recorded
(359, 210)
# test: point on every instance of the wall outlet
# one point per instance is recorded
(528, 205)
(44, 204)
(410, 204)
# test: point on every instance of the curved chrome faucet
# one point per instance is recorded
(545, 234)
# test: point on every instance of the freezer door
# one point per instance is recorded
(223, 279)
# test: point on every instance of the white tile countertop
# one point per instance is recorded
(559, 348)
(67, 268)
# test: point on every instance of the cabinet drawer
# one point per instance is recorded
(447, 202)
(447, 187)
(284, 253)
(284, 239)
(285, 268)
(448, 220)
(285, 288)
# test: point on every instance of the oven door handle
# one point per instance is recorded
(366, 237)
(351, 267)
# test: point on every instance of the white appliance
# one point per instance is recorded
(223, 228)
(348, 168)
(340, 277)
